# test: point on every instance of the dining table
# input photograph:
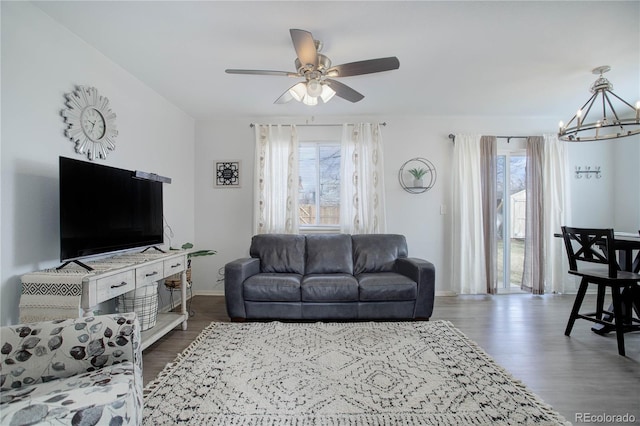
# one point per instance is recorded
(627, 246)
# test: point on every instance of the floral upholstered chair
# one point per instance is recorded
(76, 371)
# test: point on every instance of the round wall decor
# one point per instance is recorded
(90, 122)
(417, 175)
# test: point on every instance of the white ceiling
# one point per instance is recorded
(504, 58)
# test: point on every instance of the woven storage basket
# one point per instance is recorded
(144, 302)
(175, 280)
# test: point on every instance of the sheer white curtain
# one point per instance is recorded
(556, 212)
(469, 270)
(276, 180)
(546, 265)
(362, 209)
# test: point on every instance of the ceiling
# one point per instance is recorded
(502, 58)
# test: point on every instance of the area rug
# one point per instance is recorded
(369, 373)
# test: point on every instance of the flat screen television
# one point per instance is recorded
(105, 209)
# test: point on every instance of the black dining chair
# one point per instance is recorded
(592, 256)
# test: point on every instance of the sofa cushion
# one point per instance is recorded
(329, 288)
(393, 309)
(110, 395)
(377, 252)
(279, 252)
(273, 310)
(386, 286)
(329, 254)
(273, 287)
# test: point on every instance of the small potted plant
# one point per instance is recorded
(417, 174)
(175, 281)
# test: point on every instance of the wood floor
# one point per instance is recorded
(581, 376)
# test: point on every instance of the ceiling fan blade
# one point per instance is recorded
(262, 72)
(305, 47)
(364, 67)
(344, 91)
(286, 96)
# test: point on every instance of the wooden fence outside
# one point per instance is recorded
(329, 215)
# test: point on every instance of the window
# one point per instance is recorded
(511, 197)
(319, 185)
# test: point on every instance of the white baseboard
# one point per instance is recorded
(214, 292)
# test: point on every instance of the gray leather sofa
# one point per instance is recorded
(329, 277)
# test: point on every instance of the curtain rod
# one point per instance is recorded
(508, 138)
(384, 123)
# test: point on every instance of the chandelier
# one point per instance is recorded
(598, 118)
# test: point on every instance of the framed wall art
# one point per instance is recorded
(227, 174)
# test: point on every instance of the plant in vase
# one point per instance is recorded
(418, 173)
(175, 281)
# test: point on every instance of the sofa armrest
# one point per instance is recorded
(235, 273)
(422, 272)
(43, 351)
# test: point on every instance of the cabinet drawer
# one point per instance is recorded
(149, 273)
(174, 266)
(114, 285)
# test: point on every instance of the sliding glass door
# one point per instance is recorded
(511, 218)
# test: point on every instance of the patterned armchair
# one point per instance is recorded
(76, 371)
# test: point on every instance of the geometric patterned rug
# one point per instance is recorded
(363, 373)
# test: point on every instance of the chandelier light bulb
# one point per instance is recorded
(579, 117)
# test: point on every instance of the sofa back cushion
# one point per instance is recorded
(329, 254)
(279, 252)
(377, 252)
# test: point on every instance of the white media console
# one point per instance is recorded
(74, 291)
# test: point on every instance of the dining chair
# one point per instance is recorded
(592, 256)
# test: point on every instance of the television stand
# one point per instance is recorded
(77, 262)
(155, 248)
(75, 291)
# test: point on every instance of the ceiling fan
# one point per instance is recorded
(318, 73)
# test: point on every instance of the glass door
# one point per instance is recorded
(511, 218)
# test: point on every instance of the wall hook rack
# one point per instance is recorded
(588, 172)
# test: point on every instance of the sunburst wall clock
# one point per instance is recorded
(90, 122)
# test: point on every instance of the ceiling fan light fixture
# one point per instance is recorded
(315, 68)
(314, 88)
(310, 100)
(608, 123)
(327, 93)
(298, 92)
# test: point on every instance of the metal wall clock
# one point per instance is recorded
(90, 122)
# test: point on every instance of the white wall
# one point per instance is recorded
(223, 216)
(41, 61)
(626, 185)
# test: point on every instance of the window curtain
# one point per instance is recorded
(556, 211)
(473, 214)
(545, 262)
(276, 180)
(533, 275)
(362, 207)
(488, 170)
